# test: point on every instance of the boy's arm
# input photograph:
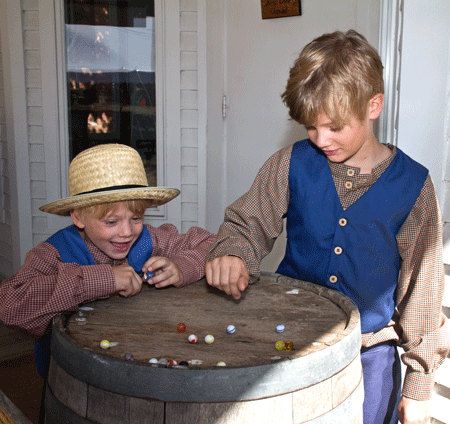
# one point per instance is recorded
(188, 251)
(45, 287)
(254, 221)
(424, 332)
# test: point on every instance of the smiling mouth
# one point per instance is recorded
(330, 152)
(121, 246)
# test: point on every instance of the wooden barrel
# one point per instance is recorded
(319, 381)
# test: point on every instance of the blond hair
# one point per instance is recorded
(99, 211)
(335, 74)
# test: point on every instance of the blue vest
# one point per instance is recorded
(366, 265)
(72, 249)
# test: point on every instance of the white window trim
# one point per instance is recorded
(54, 105)
(391, 20)
(167, 42)
(202, 111)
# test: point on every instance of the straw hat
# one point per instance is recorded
(108, 173)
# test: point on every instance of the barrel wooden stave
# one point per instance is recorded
(305, 405)
(69, 390)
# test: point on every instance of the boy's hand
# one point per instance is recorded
(128, 283)
(166, 272)
(411, 411)
(229, 274)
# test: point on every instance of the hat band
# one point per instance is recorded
(120, 187)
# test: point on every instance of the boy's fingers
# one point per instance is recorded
(170, 280)
(160, 276)
(224, 279)
(137, 282)
(243, 282)
(234, 291)
(134, 285)
(155, 263)
(215, 280)
(234, 282)
(208, 272)
(168, 275)
(127, 280)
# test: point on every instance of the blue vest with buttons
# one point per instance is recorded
(72, 249)
(352, 250)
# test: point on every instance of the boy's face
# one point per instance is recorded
(115, 233)
(352, 143)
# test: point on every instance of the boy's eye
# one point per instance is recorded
(138, 218)
(109, 222)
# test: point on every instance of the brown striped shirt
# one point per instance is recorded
(254, 221)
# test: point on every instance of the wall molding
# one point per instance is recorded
(390, 43)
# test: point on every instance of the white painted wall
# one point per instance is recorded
(424, 117)
(423, 107)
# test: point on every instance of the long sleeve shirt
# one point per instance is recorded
(45, 286)
(254, 221)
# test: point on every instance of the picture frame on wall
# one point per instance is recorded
(280, 8)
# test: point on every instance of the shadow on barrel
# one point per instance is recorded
(320, 381)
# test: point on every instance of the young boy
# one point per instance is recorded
(362, 218)
(107, 250)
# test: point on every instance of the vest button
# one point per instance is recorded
(333, 279)
(348, 184)
(342, 222)
(350, 172)
(338, 250)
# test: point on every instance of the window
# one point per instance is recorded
(110, 76)
(157, 142)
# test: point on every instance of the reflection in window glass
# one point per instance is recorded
(110, 54)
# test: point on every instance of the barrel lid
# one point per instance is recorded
(323, 325)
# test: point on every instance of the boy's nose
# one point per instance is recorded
(319, 139)
(125, 230)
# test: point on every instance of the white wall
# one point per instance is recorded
(423, 107)
(424, 117)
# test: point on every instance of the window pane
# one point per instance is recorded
(110, 54)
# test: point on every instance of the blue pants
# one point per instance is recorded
(42, 354)
(382, 383)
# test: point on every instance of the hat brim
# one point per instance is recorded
(155, 195)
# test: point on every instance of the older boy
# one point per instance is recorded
(362, 218)
(108, 248)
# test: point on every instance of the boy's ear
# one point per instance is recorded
(376, 105)
(77, 220)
